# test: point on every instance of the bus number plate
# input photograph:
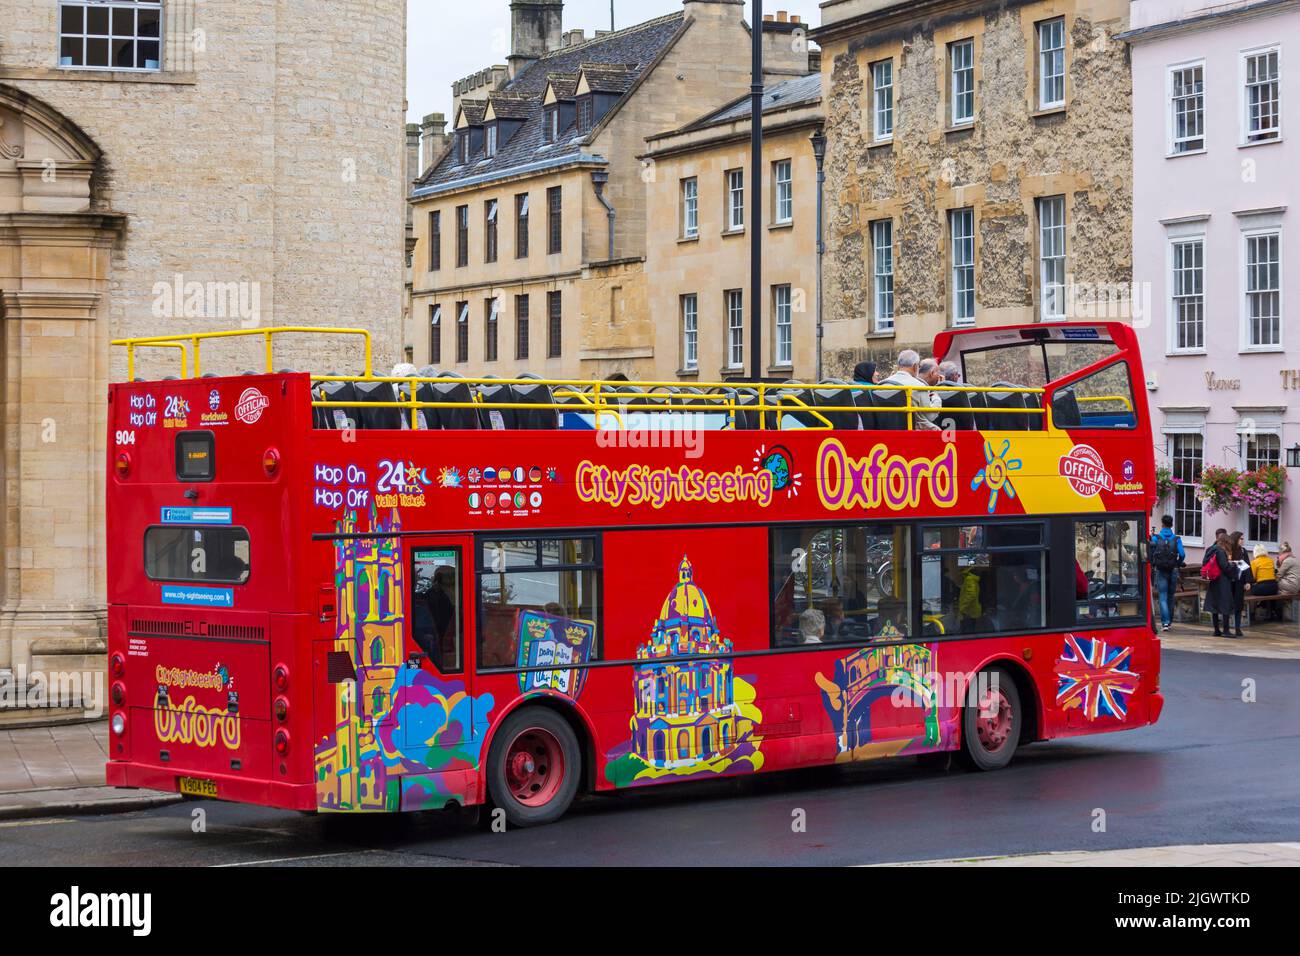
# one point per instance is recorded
(197, 787)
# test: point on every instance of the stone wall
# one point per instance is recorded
(1000, 165)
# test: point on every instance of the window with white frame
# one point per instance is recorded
(1051, 258)
(1051, 63)
(492, 139)
(961, 223)
(961, 90)
(882, 100)
(882, 273)
(784, 325)
(735, 328)
(1187, 108)
(1263, 290)
(690, 332)
(735, 200)
(690, 208)
(1186, 459)
(462, 333)
(1258, 451)
(1263, 116)
(121, 35)
(435, 334)
(783, 192)
(1187, 293)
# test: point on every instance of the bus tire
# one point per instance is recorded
(534, 765)
(990, 730)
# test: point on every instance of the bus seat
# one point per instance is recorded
(497, 419)
(890, 398)
(797, 397)
(1002, 421)
(837, 398)
(339, 417)
(459, 392)
(864, 398)
(978, 404)
(541, 418)
(956, 410)
(377, 416)
(424, 393)
(1065, 409)
(746, 419)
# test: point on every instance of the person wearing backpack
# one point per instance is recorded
(1167, 556)
(1218, 571)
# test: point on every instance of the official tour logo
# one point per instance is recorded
(1085, 471)
(250, 406)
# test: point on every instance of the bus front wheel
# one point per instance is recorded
(991, 728)
(534, 766)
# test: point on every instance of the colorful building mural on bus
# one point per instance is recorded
(401, 737)
(695, 717)
(901, 672)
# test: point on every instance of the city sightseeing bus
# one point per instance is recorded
(380, 594)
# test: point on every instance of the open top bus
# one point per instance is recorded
(361, 593)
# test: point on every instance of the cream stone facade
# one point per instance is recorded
(229, 164)
(637, 82)
(701, 267)
(1032, 166)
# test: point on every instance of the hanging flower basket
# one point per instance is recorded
(1263, 490)
(1220, 489)
(1165, 482)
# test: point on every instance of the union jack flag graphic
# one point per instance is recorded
(1095, 677)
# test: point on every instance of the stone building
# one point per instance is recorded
(1216, 237)
(698, 251)
(978, 167)
(531, 231)
(167, 167)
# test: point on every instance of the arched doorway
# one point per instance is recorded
(55, 269)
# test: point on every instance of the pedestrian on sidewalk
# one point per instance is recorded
(1167, 556)
(1217, 571)
(1264, 574)
(1240, 559)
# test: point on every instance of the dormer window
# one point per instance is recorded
(492, 134)
(462, 146)
(586, 113)
(551, 123)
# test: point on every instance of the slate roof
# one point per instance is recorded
(797, 92)
(620, 58)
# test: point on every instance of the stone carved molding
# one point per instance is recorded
(7, 151)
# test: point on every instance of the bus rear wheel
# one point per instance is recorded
(534, 766)
(990, 730)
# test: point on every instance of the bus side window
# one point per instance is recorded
(436, 620)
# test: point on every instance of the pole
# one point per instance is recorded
(821, 252)
(756, 201)
(611, 16)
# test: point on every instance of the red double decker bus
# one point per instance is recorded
(368, 593)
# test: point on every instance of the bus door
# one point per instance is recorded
(440, 585)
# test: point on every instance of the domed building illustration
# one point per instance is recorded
(686, 711)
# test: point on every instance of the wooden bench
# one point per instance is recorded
(1252, 601)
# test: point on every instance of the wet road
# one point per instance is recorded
(1215, 770)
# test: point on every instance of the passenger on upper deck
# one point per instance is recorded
(949, 373)
(910, 374)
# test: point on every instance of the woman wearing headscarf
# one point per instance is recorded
(864, 373)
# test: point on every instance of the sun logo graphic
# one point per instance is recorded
(780, 463)
(996, 473)
(449, 478)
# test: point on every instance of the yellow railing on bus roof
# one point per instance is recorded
(615, 399)
(195, 338)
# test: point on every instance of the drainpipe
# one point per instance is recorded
(600, 179)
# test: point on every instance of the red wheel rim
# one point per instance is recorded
(534, 767)
(994, 721)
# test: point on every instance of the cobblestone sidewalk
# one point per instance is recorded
(1279, 641)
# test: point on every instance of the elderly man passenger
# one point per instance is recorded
(913, 373)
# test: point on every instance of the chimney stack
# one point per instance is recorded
(787, 52)
(536, 29)
(433, 140)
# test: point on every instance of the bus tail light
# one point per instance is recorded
(282, 709)
(117, 665)
(271, 462)
(281, 678)
(282, 742)
(122, 464)
(118, 694)
(118, 724)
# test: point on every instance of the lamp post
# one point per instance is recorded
(1293, 456)
(756, 200)
(819, 153)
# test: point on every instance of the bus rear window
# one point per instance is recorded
(210, 555)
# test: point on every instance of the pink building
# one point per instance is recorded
(1216, 240)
